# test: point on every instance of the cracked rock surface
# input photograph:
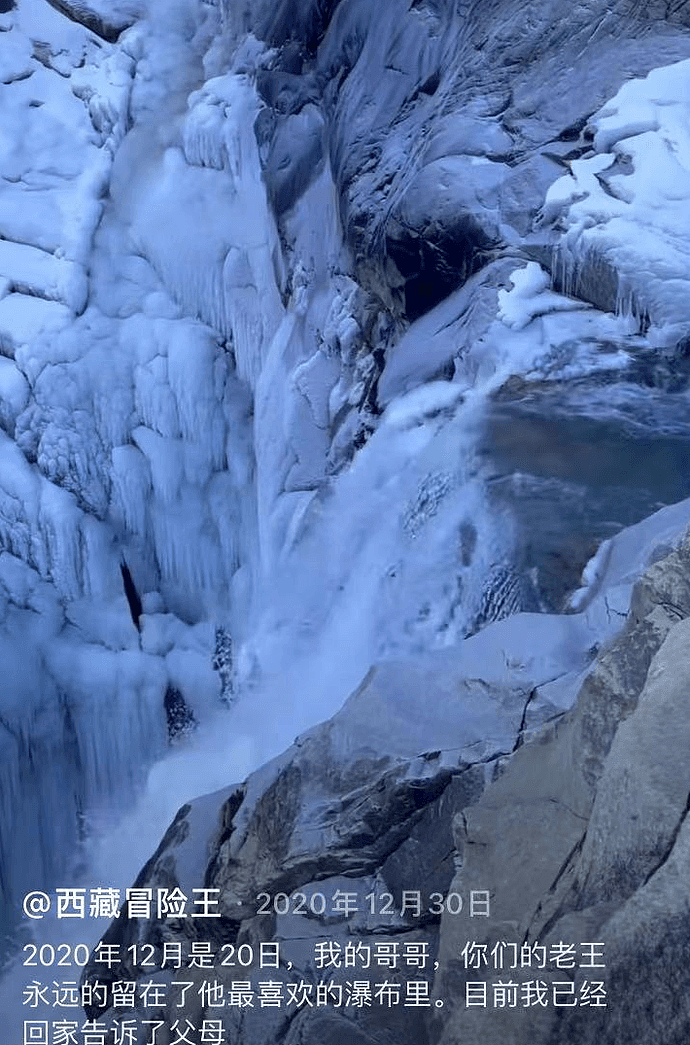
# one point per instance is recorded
(584, 837)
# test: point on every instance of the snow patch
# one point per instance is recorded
(628, 206)
(530, 297)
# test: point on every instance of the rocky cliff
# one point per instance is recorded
(437, 785)
(583, 837)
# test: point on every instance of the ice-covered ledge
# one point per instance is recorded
(622, 211)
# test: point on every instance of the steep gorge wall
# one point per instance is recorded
(444, 123)
(584, 837)
(575, 828)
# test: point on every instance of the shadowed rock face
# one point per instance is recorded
(355, 805)
(446, 121)
(330, 814)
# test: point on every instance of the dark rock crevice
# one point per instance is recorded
(663, 859)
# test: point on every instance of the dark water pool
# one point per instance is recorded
(577, 463)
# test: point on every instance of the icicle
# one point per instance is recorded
(131, 487)
(59, 523)
(187, 552)
(154, 401)
(198, 390)
(166, 463)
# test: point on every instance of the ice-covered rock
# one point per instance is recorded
(14, 394)
(32, 271)
(623, 210)
(99, 16)
(443, 136)
(24, 319)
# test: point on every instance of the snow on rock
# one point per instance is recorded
(17, 63)
(625, 209)
(431, 399)
(32, 271)
(503, 321)
(99, 16)
(531, 296)
(14, 394)
(54, 173)
(105, 88)
(23, 319)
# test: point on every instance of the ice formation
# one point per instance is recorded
(625, 207)
(294, 476)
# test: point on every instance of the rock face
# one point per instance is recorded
(446, 123)
(583, 837)
(575, 829)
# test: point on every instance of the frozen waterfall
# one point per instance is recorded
(217, 390)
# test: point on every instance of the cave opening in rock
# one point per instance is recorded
(434, 266)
